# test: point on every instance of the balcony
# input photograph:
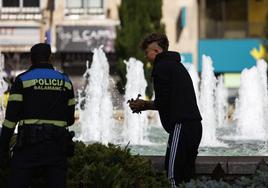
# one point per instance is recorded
(20, 13)
(84, 11)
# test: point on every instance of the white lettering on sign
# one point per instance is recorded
(85, 37)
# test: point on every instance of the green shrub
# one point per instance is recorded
(258, 180)
(101, 166)
(110, 166)
(205, 183)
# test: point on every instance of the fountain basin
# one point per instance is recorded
(230, 165)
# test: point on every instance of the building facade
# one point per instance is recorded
(77, 28)
(181, 22)
(73, 28)
(226, 30)
(230, 31)
(21, 25)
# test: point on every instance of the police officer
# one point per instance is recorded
(42, 103)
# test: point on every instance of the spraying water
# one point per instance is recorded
(262, 70)
(221, 103)
(96, 118)
(207, 103)
(195, 79)
(97, 123)
(251, 107)
(135, 125)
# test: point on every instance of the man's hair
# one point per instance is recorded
(40, 52)
(160, 38)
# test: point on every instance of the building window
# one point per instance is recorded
(74, 4)
(84, 7)
(223, 18)
(11, 3)
(84, 3)
(93, 3)
(31, 3)
(20, 3)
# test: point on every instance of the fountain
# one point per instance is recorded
(251, 107)
(135, 125)
(207, 103)
(195, 79)
(219, 136)
(221, 95)
(96, 118)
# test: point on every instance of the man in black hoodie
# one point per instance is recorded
(176, 102)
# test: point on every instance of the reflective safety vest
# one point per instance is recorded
(41, 96)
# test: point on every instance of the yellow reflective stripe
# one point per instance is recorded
(71, 102)
(43, 121)
(15, 97)
(9, 124)
(28, 83)
(68, 85)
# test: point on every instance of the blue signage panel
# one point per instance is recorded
(187, 59)
(228, 55)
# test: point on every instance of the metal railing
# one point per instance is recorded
(84, 11)
(20, 13)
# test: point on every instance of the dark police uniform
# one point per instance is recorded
(176, 102)
(42, 102)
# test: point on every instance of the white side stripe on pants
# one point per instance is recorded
(172, 155)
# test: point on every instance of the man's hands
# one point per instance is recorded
(137, 105)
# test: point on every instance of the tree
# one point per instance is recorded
(137, 18)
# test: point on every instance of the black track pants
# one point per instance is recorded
(181, 152)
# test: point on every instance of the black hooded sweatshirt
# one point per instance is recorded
(174, 92)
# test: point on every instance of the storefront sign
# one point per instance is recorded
(229, 55)
(85, 38)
